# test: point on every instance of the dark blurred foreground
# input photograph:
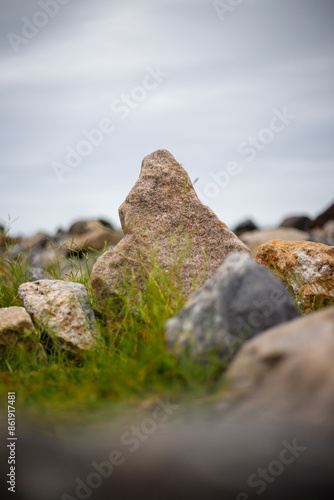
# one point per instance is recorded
(246, 457)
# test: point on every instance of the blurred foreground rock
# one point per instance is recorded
(289, 370)
(223, 457)
(307, 268)
(163, 219)
(241, 300)
(62, 309)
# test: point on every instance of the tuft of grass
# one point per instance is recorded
(13, 272)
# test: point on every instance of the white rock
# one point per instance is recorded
(63, 310)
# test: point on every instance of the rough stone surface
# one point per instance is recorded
(163, 218)
(297, 222)
(95, 240)
(254, 239)
(63, 310)
(241, 300)
(16, 327)
(306, 267)
(290, 368)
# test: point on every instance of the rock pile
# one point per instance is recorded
(64, 250)
(164, 223)
(280, 373)
(295, 228)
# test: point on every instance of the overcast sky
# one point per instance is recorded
(241, 95)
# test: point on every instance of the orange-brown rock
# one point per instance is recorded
(162, 218)
(307, 268)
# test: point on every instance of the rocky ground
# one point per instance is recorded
(263, 301)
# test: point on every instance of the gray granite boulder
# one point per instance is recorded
(241, 300)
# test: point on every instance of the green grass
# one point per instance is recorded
(131, 363)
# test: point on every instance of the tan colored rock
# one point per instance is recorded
(290, 369)
(253, 239)
(162, 218)
(94, 240)
(63, 310)
(86, 226)
(307, 268)
(16, 327)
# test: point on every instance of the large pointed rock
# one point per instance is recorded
(163, 219)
